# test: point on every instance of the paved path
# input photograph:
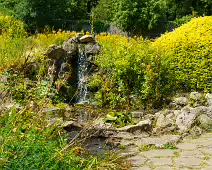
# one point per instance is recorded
(191, 154)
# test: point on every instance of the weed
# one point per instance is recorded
(170, 146)
(176, 154)
(146, 147)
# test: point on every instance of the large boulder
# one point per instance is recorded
(197, 99)
(55, 52)
(181, 101)
(204, 120)
(209, 112)
(208, 97)
(92, 48)
(165, 124)
(86, 39)
(71, 47)
(195, 131)
(142, 126)
(186, 119)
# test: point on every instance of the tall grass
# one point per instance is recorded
(27, 142)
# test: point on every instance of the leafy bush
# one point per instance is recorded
(188, 52)
(180, 21)
(24, 90)
(130, 73)
(119, 119)
(100, 26)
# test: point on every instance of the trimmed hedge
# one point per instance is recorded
(188, 53)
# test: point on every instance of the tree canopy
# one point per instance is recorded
(128, 15)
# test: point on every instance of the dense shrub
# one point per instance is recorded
(189, 54)
(130, 73)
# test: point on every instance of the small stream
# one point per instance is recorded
(82, 75)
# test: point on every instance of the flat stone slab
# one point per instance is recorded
(186, 146)
(209, 162)
(129, 151)
(207, 168)
(164, 168)
(157, 141)
(158, 153)
(188, 162)
(86, 39)
(195, 153)
(207, 136)
(161, 161)
(206, 150)
(137, 160)
(202, 142)
(141, 168)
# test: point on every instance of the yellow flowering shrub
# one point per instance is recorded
(13, 42)
(188, 53)
(44, 40)
(41, 42)
(11, 27)
(15, 45)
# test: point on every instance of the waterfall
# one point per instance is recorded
(82, 74)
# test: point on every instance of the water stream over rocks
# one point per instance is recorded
(82, 74)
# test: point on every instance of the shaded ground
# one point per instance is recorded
(190, 154)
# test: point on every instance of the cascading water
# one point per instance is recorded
(82, 74)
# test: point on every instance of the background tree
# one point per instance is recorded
(135, 15)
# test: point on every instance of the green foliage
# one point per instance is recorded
(101, 26)
(186, 7)
(136, 16)
(188, 51)
(136, 72)
(131, 16)
(119, 119)
(131, 73)
(24, 90)
(13, 42)
(104, 10)
(180, 21)
(28, 143)
(37, 14)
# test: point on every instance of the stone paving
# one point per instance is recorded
(190, 154)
